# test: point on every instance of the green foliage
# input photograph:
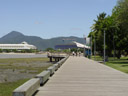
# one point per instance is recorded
(74, 49)
(58, 50)
(1, 50)
(6, 50)
(67, 51)
(49, 49)
(30, 51)
(19, 51)
(81, 50)
(116, 29)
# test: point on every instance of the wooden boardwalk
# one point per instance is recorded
(80, 76)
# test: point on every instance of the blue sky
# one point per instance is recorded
(51, 18)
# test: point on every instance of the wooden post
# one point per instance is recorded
(50, 59)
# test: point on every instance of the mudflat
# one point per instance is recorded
(21, 55)
(13, 69)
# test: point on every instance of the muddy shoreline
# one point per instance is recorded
(12, 70)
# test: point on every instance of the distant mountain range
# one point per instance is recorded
(15, 37)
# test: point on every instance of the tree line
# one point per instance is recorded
(116, 28)
(19, 51)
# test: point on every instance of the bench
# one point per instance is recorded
(43, 76)
(28, 88)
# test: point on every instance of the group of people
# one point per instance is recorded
(76, 53)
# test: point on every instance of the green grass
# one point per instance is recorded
(119, 64)
(6, 89)
(97, 58)
(12, 63)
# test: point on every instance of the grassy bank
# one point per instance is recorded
(24, 64)
(6, 89)
(15, 71)
(97, 58)
(119, 64)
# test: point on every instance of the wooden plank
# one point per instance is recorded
(80, 76)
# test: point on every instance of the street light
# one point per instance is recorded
(91, 45)
(104, 46)
(94, 47)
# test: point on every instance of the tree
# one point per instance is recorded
(120, 16)
(1, 50)
(116, 29)
(97, 32)
(49, 49)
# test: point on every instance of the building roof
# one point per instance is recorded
(73, 44)
(23, 45)
(79, 45)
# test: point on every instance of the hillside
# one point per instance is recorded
(15, 37)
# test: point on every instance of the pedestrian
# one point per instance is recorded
(76, 54)
(73, 53)
(48, 54)
(79, 54)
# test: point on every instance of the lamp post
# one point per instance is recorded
(113, 31)
(104, 46)
(114, 45)
(94, 47)
(91, 46)
(114, 48)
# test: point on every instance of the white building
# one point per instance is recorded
(72, 45)
(23, 45)
(79, 45)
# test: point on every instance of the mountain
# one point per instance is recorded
(12, 34)
(15, 37)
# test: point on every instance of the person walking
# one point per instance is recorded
(79, 54)
(73, 53)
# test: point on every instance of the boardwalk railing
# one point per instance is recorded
(43, 76)
(31, 86)
(28, 88)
